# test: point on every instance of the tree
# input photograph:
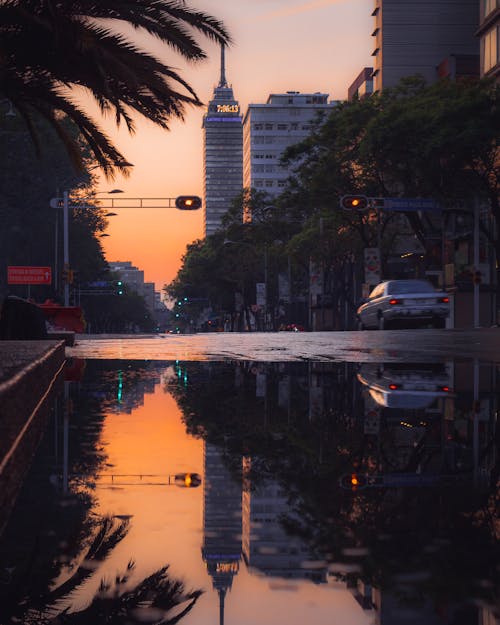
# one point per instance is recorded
(415, 140)
(48, 49)
(32, 231)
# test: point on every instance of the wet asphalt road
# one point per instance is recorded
(420, 345)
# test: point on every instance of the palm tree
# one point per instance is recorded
(50, 47)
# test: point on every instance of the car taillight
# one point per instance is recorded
(393, 301)
(444, 300)
(446, 389)
(394, 387)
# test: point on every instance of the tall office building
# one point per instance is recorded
(268, 129)
(429, 37)
(222, 153)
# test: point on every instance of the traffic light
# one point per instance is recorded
(119, 287)
(187, 480)
(354, 202)
(353, 481)
(188, 202)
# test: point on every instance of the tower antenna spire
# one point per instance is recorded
(223, 81)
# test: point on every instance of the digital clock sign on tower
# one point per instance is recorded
(222, 153)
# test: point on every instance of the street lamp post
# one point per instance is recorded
(55, 203)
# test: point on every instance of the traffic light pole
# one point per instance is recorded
(66, 245)
(182, 202)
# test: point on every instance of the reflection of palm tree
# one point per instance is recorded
(156, 599)
(47, 49)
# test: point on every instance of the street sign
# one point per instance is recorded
(29, 275)
(409, 204)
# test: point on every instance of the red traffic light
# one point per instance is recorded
(188, 202)
(354, 202)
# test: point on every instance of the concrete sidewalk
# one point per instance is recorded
(31, 373)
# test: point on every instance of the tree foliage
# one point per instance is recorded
(48, 49)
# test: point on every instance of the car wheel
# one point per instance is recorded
(381, 322)
(361, 325)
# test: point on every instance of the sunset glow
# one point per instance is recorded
(278, 46)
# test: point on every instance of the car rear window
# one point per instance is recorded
(410, 286)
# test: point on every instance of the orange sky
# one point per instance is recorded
(279, 45)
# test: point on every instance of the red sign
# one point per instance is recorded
(29, 275)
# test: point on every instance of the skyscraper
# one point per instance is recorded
(222, 153)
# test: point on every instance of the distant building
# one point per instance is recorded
(362, 85)
(417, 37)
(489, 35)
(222, 153)
(268, 129)
(133, 278)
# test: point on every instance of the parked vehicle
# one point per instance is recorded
(404, 302)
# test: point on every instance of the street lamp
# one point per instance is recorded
(56, 203)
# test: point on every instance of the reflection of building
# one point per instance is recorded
(268, 548)
(223, 153)
(221, 524)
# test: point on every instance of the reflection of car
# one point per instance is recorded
(400, 385)
(403, 302)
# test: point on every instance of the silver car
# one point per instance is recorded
(404, 303)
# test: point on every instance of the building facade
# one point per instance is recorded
(489, 35)
(222, 153)
(362, 85)
(268, 129)
(417, 37)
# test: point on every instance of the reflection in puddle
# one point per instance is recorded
(362, 493)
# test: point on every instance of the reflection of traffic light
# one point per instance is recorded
(187, 480)
(353, 481)
(354, 202)
(188, 202)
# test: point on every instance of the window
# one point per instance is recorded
(269, 139)
(282, 126)
(269, 126)
(269, 183)
(490, 49)
(489, 6)
(258, 127)
(281, 183)
(259, 183)
(269, 168)
(294, 126)
(258, 140)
